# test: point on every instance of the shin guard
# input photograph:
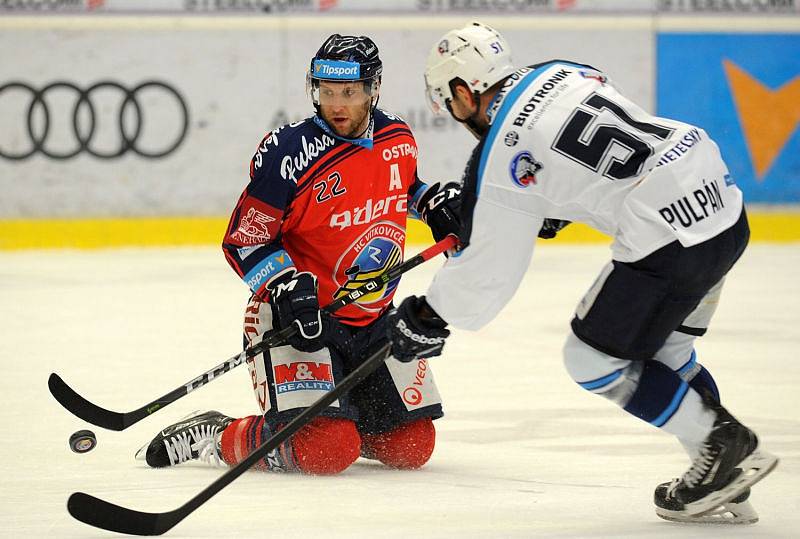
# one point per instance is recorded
(324, 446)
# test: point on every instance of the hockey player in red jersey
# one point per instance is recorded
(326, 209)
(558, 142)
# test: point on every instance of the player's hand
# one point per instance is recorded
(440, 208)
(293, 298)
(551, 227)
(415, 330)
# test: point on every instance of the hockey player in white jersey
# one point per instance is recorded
(559, 143)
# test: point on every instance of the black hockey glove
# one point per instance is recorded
(440, 208)
(415, 330)
(293, 298)
(551, 227)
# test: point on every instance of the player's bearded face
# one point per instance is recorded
(345, 107)
(467, 110)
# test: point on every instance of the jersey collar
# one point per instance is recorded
(512, 80)
(365, 141)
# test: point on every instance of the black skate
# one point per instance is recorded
(728, 464)
(737, 511)
(195, 437)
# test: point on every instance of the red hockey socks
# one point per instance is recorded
(325, 446)
(407, 447)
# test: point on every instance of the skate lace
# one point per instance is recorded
(200, 440)
(701, 464)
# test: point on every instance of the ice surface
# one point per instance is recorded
(521, 452)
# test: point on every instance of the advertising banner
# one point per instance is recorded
(744, 89)
(729, 7)
(494, 7)
(132, 116)
(491, 7)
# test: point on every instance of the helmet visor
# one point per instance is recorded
(435, 97)
(344, 93)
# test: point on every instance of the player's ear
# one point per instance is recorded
(463, 92)
(372, 87)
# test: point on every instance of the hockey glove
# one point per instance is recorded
(440, 208)
(293, 298)
(551, 227)
(415, 330)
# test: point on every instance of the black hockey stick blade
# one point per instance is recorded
(82, 408)
(108, 516)
(108, 419)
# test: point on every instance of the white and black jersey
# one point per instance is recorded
(565, 144)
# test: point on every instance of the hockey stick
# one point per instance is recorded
(107, 419)
(108, 516)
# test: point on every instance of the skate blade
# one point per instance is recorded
(755, 467)
(726, 515)
(141, 453)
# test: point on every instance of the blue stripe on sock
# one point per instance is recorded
(600, 382)
(254, 430)
(670, 410)
(689, 364)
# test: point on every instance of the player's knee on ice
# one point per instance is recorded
(406, 447)
(326, 446)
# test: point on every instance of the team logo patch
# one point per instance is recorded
(444, 46)
(524, 168)
(599, 77)
(259, 223)
(511, 139)
(376, 251)
(303, 375)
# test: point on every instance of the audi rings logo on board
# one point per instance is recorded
(107, 119)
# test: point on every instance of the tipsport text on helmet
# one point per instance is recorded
(346, 59)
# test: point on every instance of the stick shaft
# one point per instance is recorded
(108, 419)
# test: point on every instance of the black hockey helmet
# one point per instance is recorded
(345, 59)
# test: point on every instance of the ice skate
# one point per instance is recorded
(729, 463)
(737, 511)
(196, 437)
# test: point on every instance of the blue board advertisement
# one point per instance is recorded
(744, 90)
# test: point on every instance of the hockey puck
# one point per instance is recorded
(82, 441)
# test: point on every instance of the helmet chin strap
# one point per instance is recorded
(372, 108)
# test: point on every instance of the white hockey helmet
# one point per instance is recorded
(476, 54)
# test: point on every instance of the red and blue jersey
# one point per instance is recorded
(327, 205)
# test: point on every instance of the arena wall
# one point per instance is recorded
(138, 129)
